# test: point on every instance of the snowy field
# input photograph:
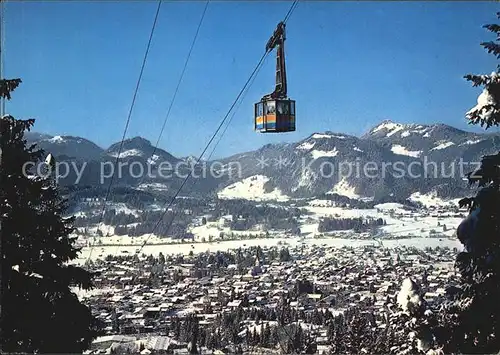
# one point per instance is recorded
(431, 199)
(400, 150)
(114, 240)
(402, 226)
(252, 188)
(400, 222)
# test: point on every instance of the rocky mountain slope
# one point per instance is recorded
(391, 161)
(67, 146)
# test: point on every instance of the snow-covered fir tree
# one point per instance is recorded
(470, 321)
(40, 313)
(476, 311)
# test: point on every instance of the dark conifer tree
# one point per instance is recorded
(39, 311)
(487, 111)
(479, 264)
(471, 321)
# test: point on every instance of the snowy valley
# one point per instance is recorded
(309, 190)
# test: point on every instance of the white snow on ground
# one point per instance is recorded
(394, 131)
(417, 242)
(423, 226)
(79, 214)
(390, 126)
(128, 153)
(82, 294)
(306, 145)
(253, 327)
(400, 150)
(252, 188)
(358, 150)
(57, 139)
(417, 130)
(421, 129)
(416, 227)
(340, 212)
(400, 222)
(321, 153)
(344, 189)
(122, 207)
(214, 229)
(390, 206)
(431, 199)
(321, 136)
(443, 145)
(470, 142)
(105, 229)
(152, 186)
(153, 159)
(117, 241)
(307, 177)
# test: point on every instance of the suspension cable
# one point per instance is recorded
(214, 148)
(203, 152)
(290, 11)
(136, 90)
(257, 68)
(234, 114)
(188, 57)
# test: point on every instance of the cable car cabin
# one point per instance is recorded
(275, 112)
(275, 115)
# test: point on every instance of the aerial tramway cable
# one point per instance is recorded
(294, 5)
(257, 67)
(201, 155)
(181, 77)
(232, 116)
(129, 116)
(290, 11)
(212, 152)
(240, 94)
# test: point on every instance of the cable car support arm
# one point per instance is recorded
(277, 41)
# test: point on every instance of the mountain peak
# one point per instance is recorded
(68, 146)
(131, 143)
(138, 141)
(139, 147)
(386, 127)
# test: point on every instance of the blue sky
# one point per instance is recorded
(349, 65)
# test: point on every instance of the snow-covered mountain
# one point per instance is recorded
(317, 164)
(438, 141)
(141, 149)
(391, 161)
(67, 146)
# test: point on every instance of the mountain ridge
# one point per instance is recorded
(34, 136)
(314, 164)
